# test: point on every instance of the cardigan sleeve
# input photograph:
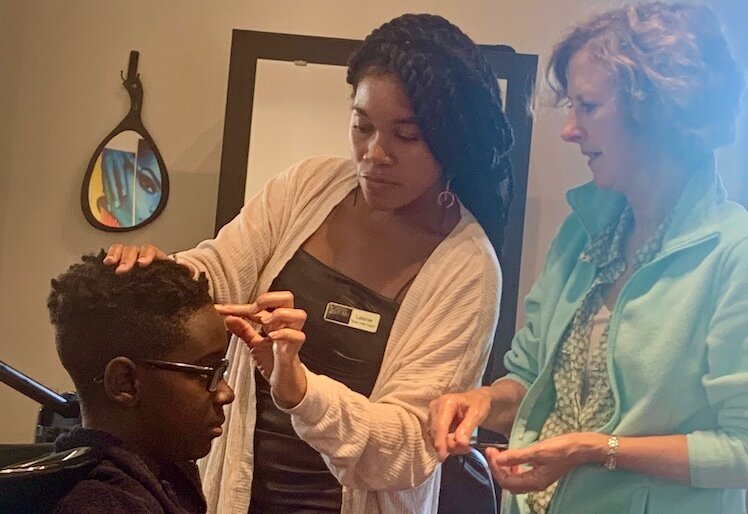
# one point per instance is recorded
(235, 258)
(719, 458)
(382, 443)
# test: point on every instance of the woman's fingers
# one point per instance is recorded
(510, 477)
(274, 300)
(277, 343)
(127, 259)
(444, 413)
(473, 416)
(518, 481)
(454, 418)
(126, 256)
(270, 321)
(533, 468)
(243, 329)
(149, 253)
(260, 348)
(288, 339)
(242, 310)
(113, 254)
(286, 345)
(509, 458)
(514, 480)
(262, 353)
(284, 318)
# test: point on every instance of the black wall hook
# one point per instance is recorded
(132, 83)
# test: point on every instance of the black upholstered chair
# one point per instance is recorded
(35, 486)
(467, 486)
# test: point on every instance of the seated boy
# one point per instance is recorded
(146, 353)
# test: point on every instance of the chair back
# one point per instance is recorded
(467, 486)
(36, 485)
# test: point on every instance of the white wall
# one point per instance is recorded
(60, 94)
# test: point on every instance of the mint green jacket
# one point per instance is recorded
(677, 354)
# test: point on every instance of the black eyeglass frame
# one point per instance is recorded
(216, 374)
(212, 374)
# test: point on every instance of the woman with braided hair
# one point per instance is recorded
(390, 255)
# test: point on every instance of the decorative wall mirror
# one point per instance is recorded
(126, 185)
(288, 99)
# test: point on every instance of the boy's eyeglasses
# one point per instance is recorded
(212, 375)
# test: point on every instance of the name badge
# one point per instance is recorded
(350, 317)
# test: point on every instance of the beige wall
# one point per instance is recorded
(60, 94)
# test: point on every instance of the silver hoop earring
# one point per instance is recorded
(446, 198)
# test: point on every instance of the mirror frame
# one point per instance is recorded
(519, 71)
(132, 121)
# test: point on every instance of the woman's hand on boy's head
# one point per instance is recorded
(126, 256)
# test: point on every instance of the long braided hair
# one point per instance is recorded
(457, 105)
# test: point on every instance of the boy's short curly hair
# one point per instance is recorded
(99, 315)
(673, 67)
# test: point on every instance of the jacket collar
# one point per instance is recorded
(694, 216)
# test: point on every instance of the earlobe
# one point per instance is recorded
(121, 382)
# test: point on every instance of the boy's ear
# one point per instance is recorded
(121, 382)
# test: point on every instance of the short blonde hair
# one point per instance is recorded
(673, 67)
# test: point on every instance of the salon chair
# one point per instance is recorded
(58, 413)
(467, 486)
(32, 476)
(36, 485)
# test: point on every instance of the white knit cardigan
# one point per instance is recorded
(377, 447)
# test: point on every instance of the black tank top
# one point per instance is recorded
(289, 475)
